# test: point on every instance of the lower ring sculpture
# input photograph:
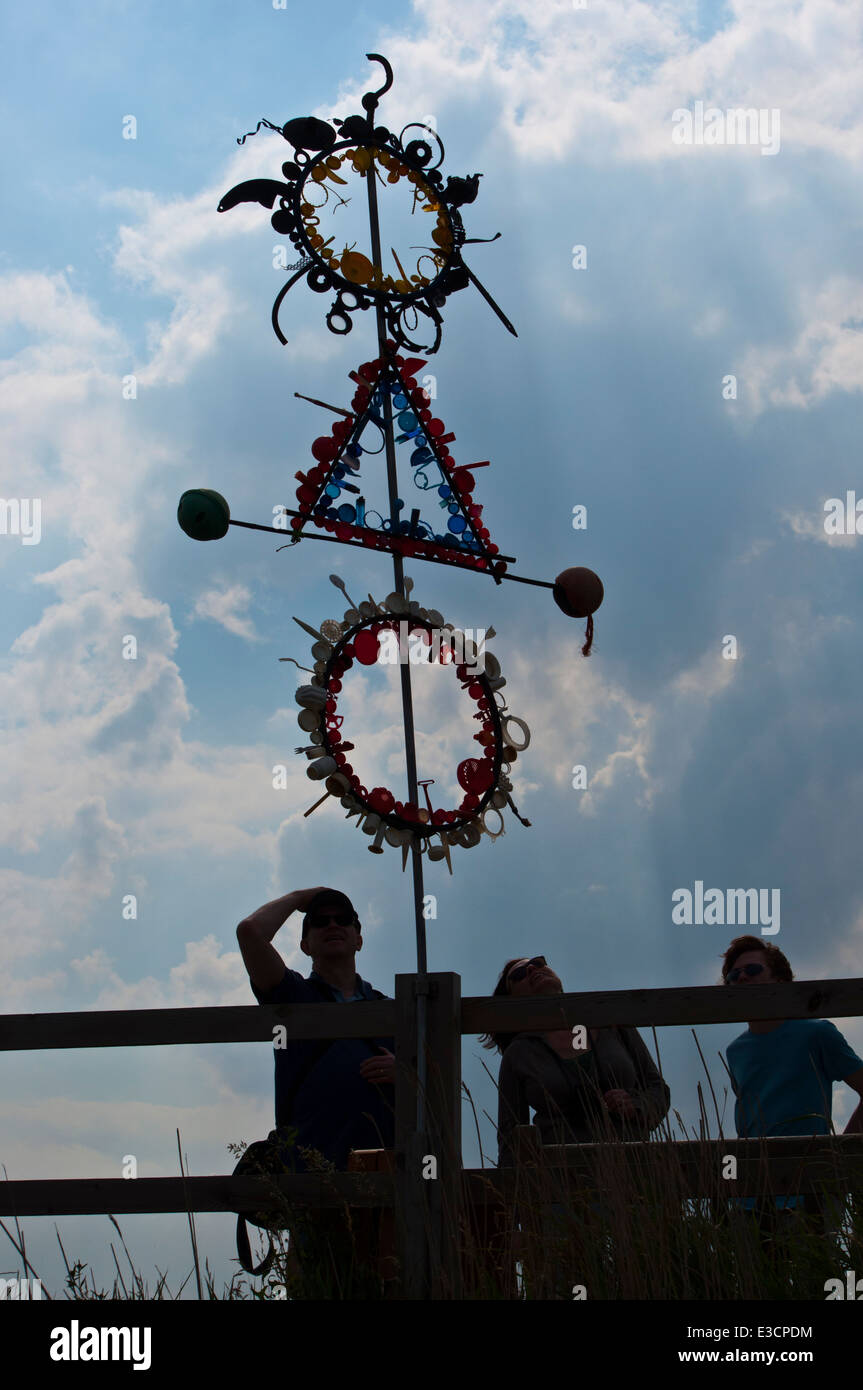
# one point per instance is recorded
(381, 632)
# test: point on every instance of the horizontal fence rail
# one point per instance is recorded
(638, 1008)
(233, 1023)
(788, 1164)
(793, 1164)
(644, 1008)
(94, 1196)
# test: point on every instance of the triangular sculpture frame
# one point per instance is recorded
(332, 451)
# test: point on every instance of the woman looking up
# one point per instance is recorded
(584, 1085)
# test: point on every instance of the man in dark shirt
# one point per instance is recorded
(337, 1095)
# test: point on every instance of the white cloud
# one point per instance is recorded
(208, 976)
(710, 322)
(604, 80)
(40, 913)
(62, 1135)
(577, 717)
(227, 605)
(825, 356)
(810, 526)
(711, 674)
(49, 308)
(166, 251)
(93, 742)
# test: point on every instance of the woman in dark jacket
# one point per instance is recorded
(609, 1087)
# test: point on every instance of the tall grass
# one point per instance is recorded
(631, 1232)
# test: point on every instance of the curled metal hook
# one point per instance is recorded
(370, 100)
(304, 265)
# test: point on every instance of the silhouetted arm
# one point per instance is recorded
(653, 1096)
(855, 1081)
(255, 934)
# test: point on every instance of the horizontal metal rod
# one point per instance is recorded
(336, 409)
(432, 559)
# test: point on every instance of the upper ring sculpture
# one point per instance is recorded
(321, 150)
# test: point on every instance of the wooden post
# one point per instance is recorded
(411, 1217)
(444, 1193)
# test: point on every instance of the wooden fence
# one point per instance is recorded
(424, 1209)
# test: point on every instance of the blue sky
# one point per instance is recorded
(705, 519)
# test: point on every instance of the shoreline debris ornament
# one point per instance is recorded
(323, 149)
(393, 632)
(389, 404)
(328, 495)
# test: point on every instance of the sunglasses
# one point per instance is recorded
(323, 919)
(734, 975)
(520, 971)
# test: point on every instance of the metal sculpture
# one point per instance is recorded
(321, 151)
(329, 496)
(383, 633)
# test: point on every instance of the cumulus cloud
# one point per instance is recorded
(810, 526)
(94, 733)
(579, 717)
(83, 715)
(74, 1137)
(710, 675)
(605, 79)
(227, 605)
(40, 912)
(207, 976)
(825, 356)
(164, 250)
(48, 308)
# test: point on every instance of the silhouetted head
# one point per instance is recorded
(522, 976)
(751, 961)
(331, 927)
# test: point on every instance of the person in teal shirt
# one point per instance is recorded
(783, 1070)
(783, 1079)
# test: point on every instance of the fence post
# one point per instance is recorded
(411, 1217)
(445, 1192)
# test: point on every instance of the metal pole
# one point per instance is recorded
(404, 671)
